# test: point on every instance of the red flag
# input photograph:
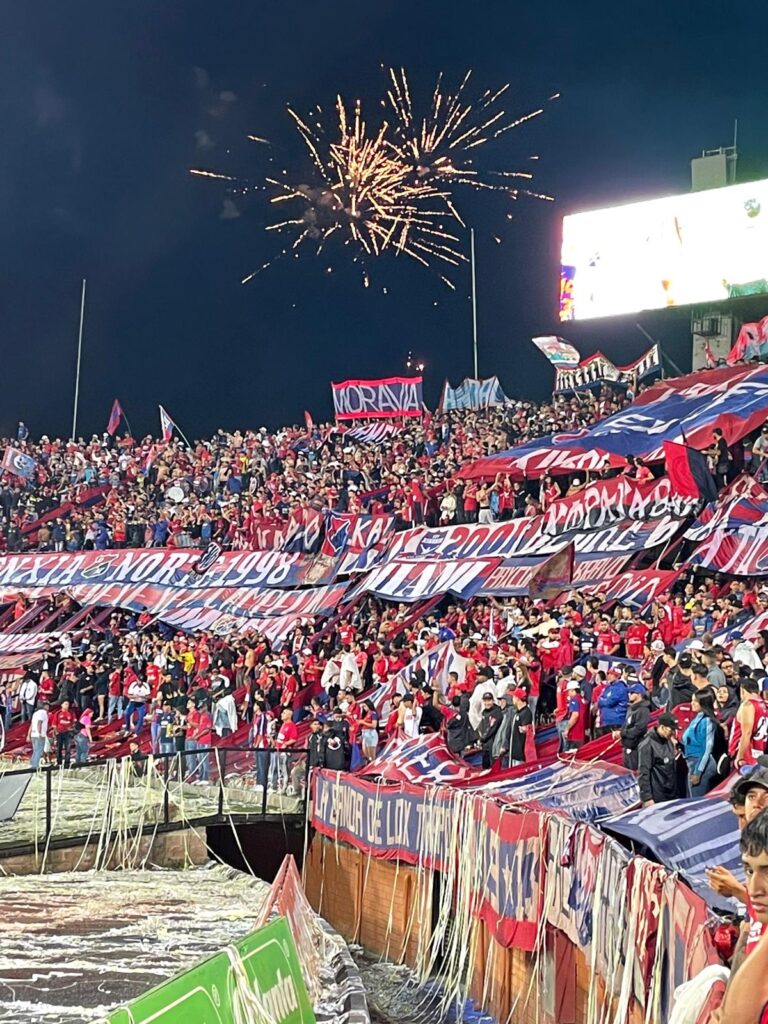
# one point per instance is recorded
(554, 575)
(688, 471)
(115, 417)
(710, 355)
(310, 423)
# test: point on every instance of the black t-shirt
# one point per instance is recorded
(522, 718)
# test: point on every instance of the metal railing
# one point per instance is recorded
(167, 790)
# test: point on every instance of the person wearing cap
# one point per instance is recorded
(574, 730)
(521, 728)
(750, 726)
(489, 725)
(635, 727)
(657, 762)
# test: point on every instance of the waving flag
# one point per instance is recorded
(554, 575)
(309, 423)
(167, 425)
(688, 471)
(18, 463)
(115, 417)
(558, 351)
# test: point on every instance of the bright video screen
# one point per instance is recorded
(700, 247)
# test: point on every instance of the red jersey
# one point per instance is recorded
(576, 703)
(115, 683)
(635, 639)
(153, 678)
(205, 729)
(759, 732)
(46, 688)
(287, 732)
(561, 706)
(606, 640)
(65, 720)
(193, 724)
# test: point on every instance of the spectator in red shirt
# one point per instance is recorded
(286, 738)
(636, 638)
(65, 724)
(574, 730)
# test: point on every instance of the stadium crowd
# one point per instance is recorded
(678, 687)
(235, 487)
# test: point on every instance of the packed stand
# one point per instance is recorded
(236, 487)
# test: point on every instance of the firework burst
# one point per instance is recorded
(394, 186)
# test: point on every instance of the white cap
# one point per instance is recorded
(696, 645)
(573, 684)
(657, 645)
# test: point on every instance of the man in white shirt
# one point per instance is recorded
(28, 697)
(409, 716)
(38, 732)
(225, 715)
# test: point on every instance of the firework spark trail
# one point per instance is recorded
(391, 188)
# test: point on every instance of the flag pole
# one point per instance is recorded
(474, 297)
(662, 353)
(79, 355)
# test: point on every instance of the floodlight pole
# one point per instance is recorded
(474, 297)
(79, 355)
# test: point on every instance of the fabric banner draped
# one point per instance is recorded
(524, 538)
(743, 503)
(734, 399)
(598, 368)
(408, 580)
(743, 553)
(473, 394)
(635, 588)
(688, 836)
(402, 821)
(164, 567)
(373, 399)
(606, 502)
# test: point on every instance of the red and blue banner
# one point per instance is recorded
(606, 502)
(378, 399)
(418, 826)
(741, 553)
(163, 567)
(680, 409)
(743, 503)
(636, 588)
(359, 540)
(407, 580)
(688, 836)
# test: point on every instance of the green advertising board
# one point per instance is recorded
(208, 993)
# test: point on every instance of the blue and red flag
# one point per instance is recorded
(115, 418)
(167, 425)
(688, 471)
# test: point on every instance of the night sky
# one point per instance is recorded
(105, 107)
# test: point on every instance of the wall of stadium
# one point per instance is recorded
(631, 968)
